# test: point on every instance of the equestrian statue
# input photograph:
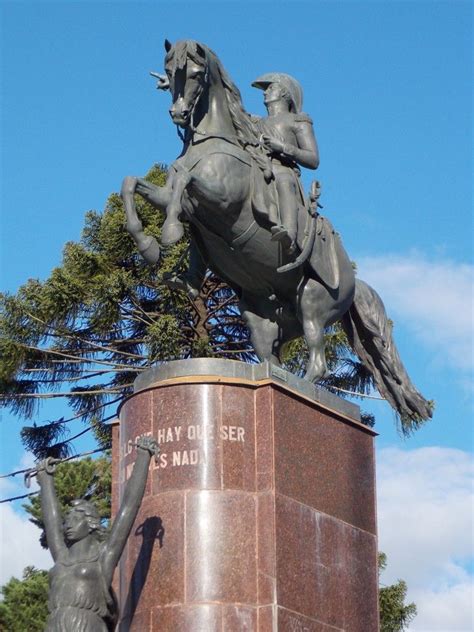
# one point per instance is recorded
(237, 184)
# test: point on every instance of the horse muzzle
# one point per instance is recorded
(180, 114)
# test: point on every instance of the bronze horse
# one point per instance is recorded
(220, 185)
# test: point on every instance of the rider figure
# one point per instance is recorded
(288, 137)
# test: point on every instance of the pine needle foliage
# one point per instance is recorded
(395, 615)
(87, 478)
(24, 604)
(102, 317)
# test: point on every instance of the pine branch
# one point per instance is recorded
(72, 357)
(65, 394)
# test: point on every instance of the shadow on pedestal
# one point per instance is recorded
(266, 485)
(151, 529)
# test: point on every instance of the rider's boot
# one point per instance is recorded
(286, 233)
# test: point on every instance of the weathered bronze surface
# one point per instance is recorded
(237, 183)
(81, 597)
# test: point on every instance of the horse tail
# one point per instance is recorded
(370, 335)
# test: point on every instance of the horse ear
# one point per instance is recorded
(200, 51)
(168, 45)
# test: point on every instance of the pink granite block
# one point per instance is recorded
(221, 547)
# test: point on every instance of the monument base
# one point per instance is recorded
(259, 514)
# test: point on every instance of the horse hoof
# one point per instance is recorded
(171, 233)
(150, 250)
(317, 376)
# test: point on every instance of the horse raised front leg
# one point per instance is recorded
(146, 244)
(159, 197)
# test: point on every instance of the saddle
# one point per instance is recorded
(322, 257)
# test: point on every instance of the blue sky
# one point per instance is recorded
(388, 85)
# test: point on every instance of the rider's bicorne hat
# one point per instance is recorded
(292, 86)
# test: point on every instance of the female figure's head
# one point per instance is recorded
(82, 520)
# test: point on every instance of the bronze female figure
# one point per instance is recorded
(81, 598)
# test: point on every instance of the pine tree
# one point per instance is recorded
(395, 615)
(101, 317)
(87, 478)
(104, 315)
(24, 602)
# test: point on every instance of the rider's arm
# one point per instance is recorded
(51, 513)
(132, 498)
(306, 153)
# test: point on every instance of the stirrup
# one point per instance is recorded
(281, 234)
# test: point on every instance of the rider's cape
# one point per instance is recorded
(323, 259)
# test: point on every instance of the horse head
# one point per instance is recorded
(187, 68)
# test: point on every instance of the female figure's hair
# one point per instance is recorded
(91, 514)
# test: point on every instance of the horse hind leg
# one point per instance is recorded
(260, 317)
(316, 368)
(313, 319)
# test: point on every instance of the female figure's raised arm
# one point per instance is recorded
(132, 498)
(52, 518)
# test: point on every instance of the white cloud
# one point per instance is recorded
(425, 515)
(19, 546)
(19, 538)
(433, 298)
(448, 610)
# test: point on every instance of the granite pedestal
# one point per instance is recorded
(260, 512)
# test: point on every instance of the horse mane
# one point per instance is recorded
(241, 120)
(245, 128)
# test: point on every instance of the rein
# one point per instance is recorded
(233, 139)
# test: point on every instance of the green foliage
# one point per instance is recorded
(45, 440)
(86, 478)
(101, 317)
(24, 604)
(395, 615)
(347, 374)
(164, 338)
(104, 315)
(348, 377)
